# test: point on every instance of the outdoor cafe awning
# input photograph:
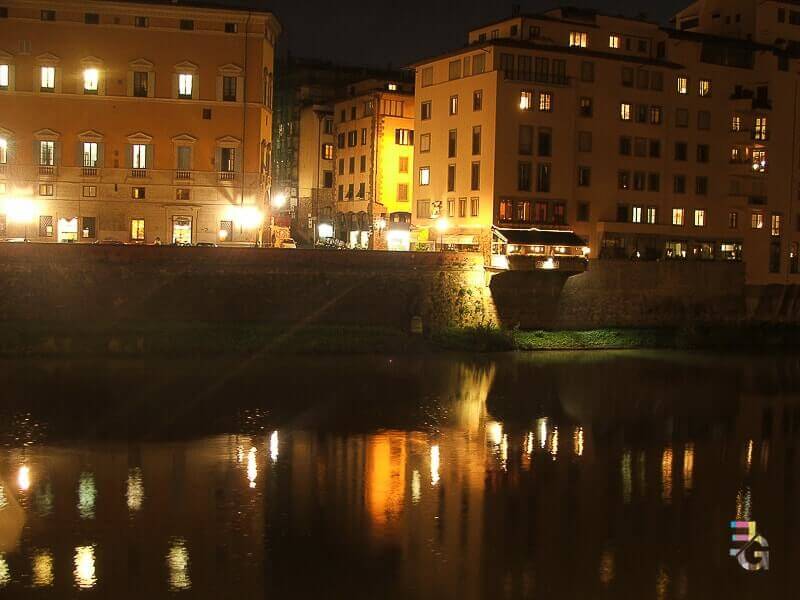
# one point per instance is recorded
(539, 237)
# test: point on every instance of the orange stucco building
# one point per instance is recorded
(134, 121)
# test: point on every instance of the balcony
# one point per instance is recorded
(89, 171)
(138, 173)
(182, 175)
(47, 170)
(532, 77)
(227, 176)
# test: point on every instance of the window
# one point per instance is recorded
(582, 213)
(578, 39)
(683, 85)
(227, 160)
(526, 139)
(182, 194)
(613, 41)
(48, 79)
(653, 182)
(187, 24)
(545, 101)
(4, 70)
(231, 28)
(45, 189)
(229, 88)
(185, 83)
(47, 154)
(138, 193)
(775, 225)
(543, 177)
(352, 138)
(474, 205)
(703, 120)
(677, 216)
(642, 79)
(760, 129)
(476, 140)
(679, 184)
(327, 151)
(451, 207)
(402, 137)
(453, 105)
(364, 137)
(733, 220)
(425, 110)
(89, 154)
(652, 215)
(403, 165)
(699, 217)
(137, 230)
(585, 107)
(141, 21)
(427, 76)
(625, 146)
(48, 15)
(91, 19)
(475, 176)
(636, 214)
(704, 87)
(424, 175)
(641, 113)
(451, 143)
(139, 155)
(757, 220)
(759, 161)
(524, 172)
(624, 180)
(584, 176)
(140, 84)
(657, 81)
(736, 123)
(545, 146)
(625, 111)
(89, 229)
(425, 142)
(327, 179)
(681, 151)
(507, 65)
(3, 151)
(627, 76)
(655, 149)
(478, 64)
(91, 81)
(351, 165)
(584, 141)
(681, 117)
(587, 71)
(454, 70)
(462, 207)
(655, 115)
(477, 100)
(424, 209)
(340, 140)
(402, 192)
(638, 181)
(701, 185)
(526, 100)
(46, 226)
(540, 212)
(702, 153)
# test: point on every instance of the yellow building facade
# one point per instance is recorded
(374, 165)
(134, 122)
(649, 142)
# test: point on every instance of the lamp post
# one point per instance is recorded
(442, 225)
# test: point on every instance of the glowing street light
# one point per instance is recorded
(278, 201)
(20, 210)
(442, 225)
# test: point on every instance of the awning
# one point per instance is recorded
(540, 237)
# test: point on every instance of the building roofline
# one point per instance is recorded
(544, 16)
(696, 36)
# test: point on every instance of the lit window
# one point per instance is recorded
(90, 154)
(425, 176)
(651, 215)
(48, 79)
(139, 156)
(683, 85)
(636, 214)
(403, 137)
(185, 82)
(578, 39)
(757, 220)
(613, 41)
(760, 130)
(47, 154)
(3, 151)
(453, 105)
(759, 161)
(677, 216)
(227, 159)
(545, 101)
(733, 219)
(137, 229)
(4, 77)
(704, 87)
(625, 111)
(392, 87)
(526, 100)
(775, 225)
(736, 123)
(327, 151)
(699, 218)
(91, 81)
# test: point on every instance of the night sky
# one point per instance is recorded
(378, 32)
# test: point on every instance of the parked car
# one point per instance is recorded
(16, 240)
(181, 244)
(287, 243)
(206, 245)
(109, 242)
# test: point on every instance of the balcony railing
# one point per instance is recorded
(183, 175)
(47, 170)
(227, 175)
(138, 173)
(89, 171)
(534, 77)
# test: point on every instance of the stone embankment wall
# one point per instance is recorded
(105, 285)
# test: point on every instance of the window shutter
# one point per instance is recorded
(37, 152)
(237, 160)
(128, 156)
(217, 159)
(151, 84)
(150, 156)
(239, 89)
(220, 79)
(79, 154)
(175, 88)
(130, 84)
(101, 147)
(195, 86)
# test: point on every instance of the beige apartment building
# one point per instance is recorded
(374, 160)
(649, 142)
(134, 121)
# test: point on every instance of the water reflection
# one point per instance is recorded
(546, 476)
(84, 571)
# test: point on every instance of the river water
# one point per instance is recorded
(566, 475)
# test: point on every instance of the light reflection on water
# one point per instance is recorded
(518, 478)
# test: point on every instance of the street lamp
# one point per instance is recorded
(442, 225)
(20, 210)
(278, 201)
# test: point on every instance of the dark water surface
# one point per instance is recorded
(610, 475)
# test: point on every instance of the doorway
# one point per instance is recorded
(68, 230)
(181, 230)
